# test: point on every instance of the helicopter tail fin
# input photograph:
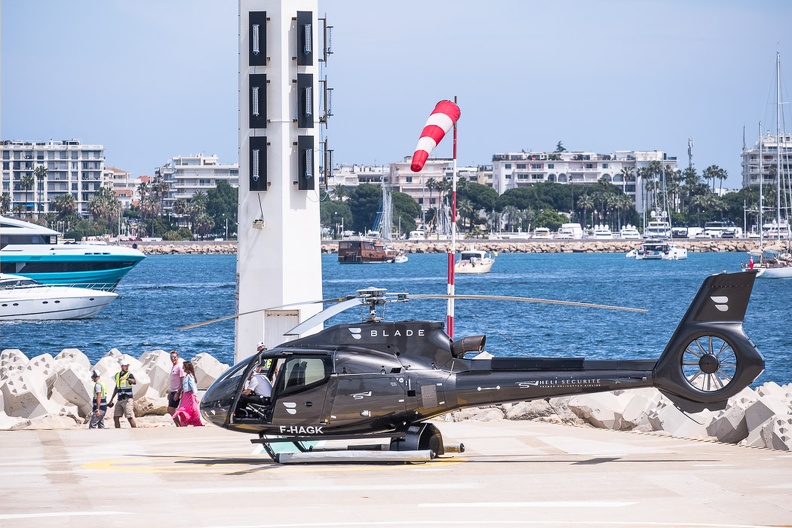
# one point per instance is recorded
(709, 358)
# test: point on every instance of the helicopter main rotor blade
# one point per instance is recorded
(324, 315)
(524, 299)
(227, 317)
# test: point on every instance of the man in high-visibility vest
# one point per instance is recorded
(123, 388)
(99, 403)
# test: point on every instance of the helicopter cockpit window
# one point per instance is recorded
(300, 373)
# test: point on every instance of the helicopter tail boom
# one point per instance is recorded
(709, 358)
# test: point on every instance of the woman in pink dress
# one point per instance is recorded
(188, 413)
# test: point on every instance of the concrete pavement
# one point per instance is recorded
(513, 473)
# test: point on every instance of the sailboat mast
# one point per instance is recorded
(778, 145)
(761, 195)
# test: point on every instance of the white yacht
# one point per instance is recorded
(542, 233)
(33, 251)
(660, 250)
(473, 261)
(629, 232)
(24, 299)
(657, 229)
(602, 232)
(570, 231)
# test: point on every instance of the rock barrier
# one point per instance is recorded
(499, 246)
(48, 392)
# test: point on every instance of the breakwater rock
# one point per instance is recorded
(48, 392)
(499, 246)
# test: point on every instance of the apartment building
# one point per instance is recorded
(186, 175)
(771, 146)
(72, 168)
(521, 169)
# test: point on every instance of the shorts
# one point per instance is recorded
(124, 408)
(173, 399)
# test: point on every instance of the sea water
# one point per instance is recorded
(164, 292)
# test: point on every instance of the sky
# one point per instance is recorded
(155, 79)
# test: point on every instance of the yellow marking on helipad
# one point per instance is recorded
(240, 464)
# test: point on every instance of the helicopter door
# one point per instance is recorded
(300, 391)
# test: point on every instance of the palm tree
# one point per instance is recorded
(65, 205)
(5, 203)
(26, 183)
(512, 215)
(466, 210)
(41, 174)
(585, 202)
(713, 172)
(627, 175)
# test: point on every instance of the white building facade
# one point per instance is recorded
(522, 169)
(771, 146)
(72, 168)
(186, 175)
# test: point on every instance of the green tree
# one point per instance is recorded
(334, 214)
(550, 219)
(586, 203)
(26, 182)
(5, 203)
(364, 203)
(405, 212)
(222, 205)
(65, 205)
(41, 174)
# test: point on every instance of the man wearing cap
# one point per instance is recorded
(99, 402)
(176, 378)
(123, 388)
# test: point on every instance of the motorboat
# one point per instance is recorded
(660, 250)
(570, 231)
(629, 232)
(474, 261)
(34, 251)
(602, 232)
(22, 298)
(774, 262)
(365, 250)
(542, 233)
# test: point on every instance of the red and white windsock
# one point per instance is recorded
(445, 114)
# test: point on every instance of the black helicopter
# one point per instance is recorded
(380, 379)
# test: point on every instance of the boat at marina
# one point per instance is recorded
(22, 298)
(657, 229)
(34, 251)
(474, 261)
(542, 233)
(629, 232)
(365, 250)
(775, 261)
(660, 250)
(602, 232)
(570, 231)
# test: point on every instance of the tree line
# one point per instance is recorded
(688, 198)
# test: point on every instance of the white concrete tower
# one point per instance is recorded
(279, 250)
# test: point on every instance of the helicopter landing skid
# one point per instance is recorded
(421, 442)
